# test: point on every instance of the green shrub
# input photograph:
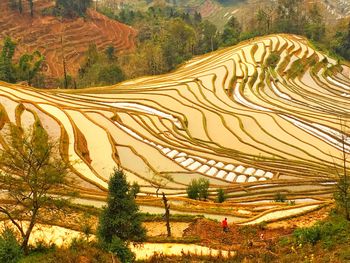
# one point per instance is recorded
(308, 235)
(120, 248)
(335, 230)
(262, 225)
(198, 189)
(192, 190)
(280, 197)
(10, 250)
(221, 196)
(284, 241)
(272, 60)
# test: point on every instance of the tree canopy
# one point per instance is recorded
(26, 69)
(72, 8)
(31, 169)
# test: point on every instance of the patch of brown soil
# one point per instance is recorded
(53, 36)
(246, 237)
(212, 235)
(159, 228)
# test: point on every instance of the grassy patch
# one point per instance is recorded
(329, 233)
(272, 60)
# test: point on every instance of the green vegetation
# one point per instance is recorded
(120, 221)
(221, 195)
(280, 197)
(28, 66)
(166, 39)
(10, 250)
(294, 17)
(272, 60)
(31, 168)
(198, 189)
(232, 32)
(334, 231)
(98, 68)
(168, 36)
(72, 8)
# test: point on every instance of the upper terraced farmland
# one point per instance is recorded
(57, 38)
(225, 116)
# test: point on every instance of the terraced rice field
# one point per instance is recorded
(225, 116)
(56, 37)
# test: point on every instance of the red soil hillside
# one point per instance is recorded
(44, 33)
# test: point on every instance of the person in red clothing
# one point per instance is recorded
(224, 225)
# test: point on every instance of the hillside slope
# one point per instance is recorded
(225, 116)
(55, 37)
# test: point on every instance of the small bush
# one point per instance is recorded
(308, 235)
(272, 60)
(192, 190)
(119, 247)
(284, 241)
(262, 225)
(280, 197)
(10, 250)
(221, 196)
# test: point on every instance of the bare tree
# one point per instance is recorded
(342, 186)
(160, 181)
(31, 169)
(167, 214)
(31, 6)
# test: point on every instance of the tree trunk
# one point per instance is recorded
(20, 7)
(31, 4)
(28, 232)
(25, 241)
(64, 65)
(167, 214)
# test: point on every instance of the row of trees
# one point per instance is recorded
(72, 8)
(67, 8)
(18, 4)
(297, 17)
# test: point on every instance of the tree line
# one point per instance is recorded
(67, 8)
(297, 17)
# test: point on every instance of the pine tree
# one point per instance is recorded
(120, 221)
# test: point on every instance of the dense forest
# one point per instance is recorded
(168, 37)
